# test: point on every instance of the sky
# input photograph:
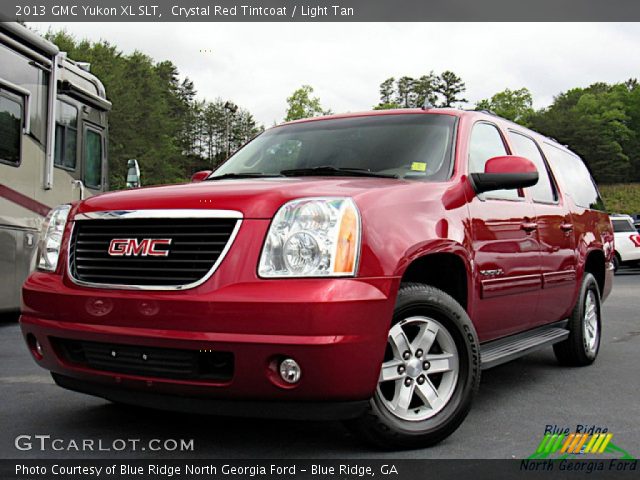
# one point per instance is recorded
(258, 65)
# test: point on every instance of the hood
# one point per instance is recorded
(254, 198)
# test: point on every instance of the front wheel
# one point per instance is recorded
(429, 375)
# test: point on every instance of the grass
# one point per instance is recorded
(621, 197)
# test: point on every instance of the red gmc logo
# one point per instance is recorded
(126, 247)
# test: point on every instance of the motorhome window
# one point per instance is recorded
(10, 128)
(66, 135)
(25, 73)
(92, 159)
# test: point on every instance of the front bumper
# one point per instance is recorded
(327, 410)
(335, 329)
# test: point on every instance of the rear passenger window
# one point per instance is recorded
(574, 177)
(486, 142)
(543, 191)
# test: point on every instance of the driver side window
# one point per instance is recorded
(485, 143)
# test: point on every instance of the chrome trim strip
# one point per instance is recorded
(128, 214)
(161, 213)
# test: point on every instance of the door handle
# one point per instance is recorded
(529, 226)
(567, 227)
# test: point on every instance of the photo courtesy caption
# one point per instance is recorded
(187, 469)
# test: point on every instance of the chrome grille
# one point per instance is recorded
(196, 247)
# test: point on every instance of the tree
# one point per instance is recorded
(515, 105)
(407, 92)
(596, 123)
(387, 95)
(156, 118)
(450, 86)
(387, 90)
(426, 90)
(302, 105)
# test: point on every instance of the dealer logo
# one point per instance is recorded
(565, 443)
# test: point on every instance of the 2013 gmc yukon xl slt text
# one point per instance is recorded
(364, 267)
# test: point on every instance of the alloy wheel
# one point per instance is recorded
(420, 369)
(591, 330)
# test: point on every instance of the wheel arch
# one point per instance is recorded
(595, 264)
(428, 267)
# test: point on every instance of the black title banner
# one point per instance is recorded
(318, 10)
(353, 469)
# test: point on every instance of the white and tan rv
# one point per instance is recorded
(53, 145)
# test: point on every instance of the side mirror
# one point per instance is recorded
(200, 176)
(505, 173)
(133, 174)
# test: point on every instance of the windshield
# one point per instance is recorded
(416, 146)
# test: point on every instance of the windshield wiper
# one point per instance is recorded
(245, 175)
(334, 171)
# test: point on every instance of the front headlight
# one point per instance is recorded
(51, 238)
(312, 237)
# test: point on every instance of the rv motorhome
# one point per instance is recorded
(53, 145)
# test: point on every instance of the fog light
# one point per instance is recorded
(34, 345)
(290, 370)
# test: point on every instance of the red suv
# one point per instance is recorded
(365, 267)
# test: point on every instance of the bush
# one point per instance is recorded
(622, 197)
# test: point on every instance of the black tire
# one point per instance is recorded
(379, 426)
(616, 262)
(574, 351)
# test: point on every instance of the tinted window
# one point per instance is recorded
(93, 159)
(487, 143)
(622, 226)
(25, 73)
(574, 176)
(409, 146)
(543, 191)
(10, 128)
(66, 135)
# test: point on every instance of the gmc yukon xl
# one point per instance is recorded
(363, 267)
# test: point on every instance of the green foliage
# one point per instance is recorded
(514, 105)
(302, 105)
(622, 198)
(600, 123)
(442, 90)
(450, 86)
(155, 117)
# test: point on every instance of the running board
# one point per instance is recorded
(504, 350)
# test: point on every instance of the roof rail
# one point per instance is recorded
(484, 110)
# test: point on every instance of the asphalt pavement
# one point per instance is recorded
(508, 419)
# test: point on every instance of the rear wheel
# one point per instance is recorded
(616, 261)
(582, 346)
(429, 375)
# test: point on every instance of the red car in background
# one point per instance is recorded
(365, 267)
